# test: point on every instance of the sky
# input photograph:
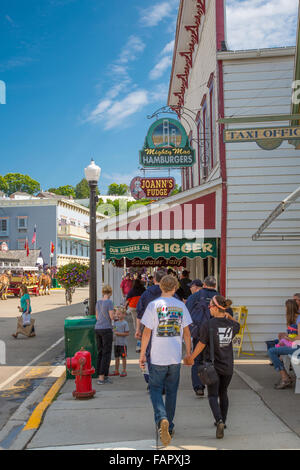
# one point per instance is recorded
(83, 75)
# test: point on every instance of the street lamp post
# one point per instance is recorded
(92, 175)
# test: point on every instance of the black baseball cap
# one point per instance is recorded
(196, 283)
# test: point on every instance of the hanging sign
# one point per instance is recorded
(151, 188)
(150, 262)
(167, 145)
(160, 248)
(268, 138)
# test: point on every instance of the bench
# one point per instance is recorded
(294, 361)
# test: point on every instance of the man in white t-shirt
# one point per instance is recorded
(167, 320)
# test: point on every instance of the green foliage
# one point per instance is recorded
(115, 189)
(18, 182)
(82, 190)
(3, 185)
(67, 190)
(73, 275)
(118, 206)
(176, 190)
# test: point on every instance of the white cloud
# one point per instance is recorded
(120, 110)
(119, 178)
(164, 63)
(168, 49)
(115, 113)
(131, 50)
(153, 15)
(255, 24)
(160, 67)
(160, 94)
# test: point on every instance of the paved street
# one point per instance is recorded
(30, 361)
(259, 417)
(120, 415)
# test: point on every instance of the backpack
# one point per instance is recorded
(200, 313)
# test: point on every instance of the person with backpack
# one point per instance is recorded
(184, 291)
(198, 306)
(215, 340)
(132, 300)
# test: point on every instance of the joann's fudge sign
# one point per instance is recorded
(167, 145)
(151, 188)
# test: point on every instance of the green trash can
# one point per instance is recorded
(80, 333)
(55, 284)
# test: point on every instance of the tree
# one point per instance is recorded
(82, 190)
(18, 182)
(67, 190)
(116, 207)
(115, 189)
(3, 185)
(176, 190)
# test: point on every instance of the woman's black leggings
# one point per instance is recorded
(104, 340)
(218, 397)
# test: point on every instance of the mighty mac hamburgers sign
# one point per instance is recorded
(167, 145)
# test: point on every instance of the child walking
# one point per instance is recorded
(121, 331)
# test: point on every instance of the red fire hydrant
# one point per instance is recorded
(81, 367)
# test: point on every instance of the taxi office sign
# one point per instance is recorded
(268, 138)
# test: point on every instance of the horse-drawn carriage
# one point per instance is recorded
(28, 278)
(12, 280)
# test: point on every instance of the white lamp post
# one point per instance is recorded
(92, 175)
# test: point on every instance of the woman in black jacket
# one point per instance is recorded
(224, 328)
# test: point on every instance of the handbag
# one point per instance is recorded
(206, 370)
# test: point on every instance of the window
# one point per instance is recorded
(22, 223)
(212, 116)
(21, 243)
(4, 226)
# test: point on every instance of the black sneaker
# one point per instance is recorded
(199, 392)
(163, 432)
(220, 429)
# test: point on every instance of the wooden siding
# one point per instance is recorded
(262, 274)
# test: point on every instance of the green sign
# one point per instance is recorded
(118, 249)
(167, 145)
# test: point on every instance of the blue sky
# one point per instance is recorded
(82, 76)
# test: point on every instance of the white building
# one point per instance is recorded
(241, 88)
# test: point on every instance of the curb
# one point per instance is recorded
(37, 415)
(22, 426)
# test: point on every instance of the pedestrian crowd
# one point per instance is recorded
(167, 311)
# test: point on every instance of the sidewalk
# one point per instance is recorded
(120, 415)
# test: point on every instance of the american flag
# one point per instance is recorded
(34, 236)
